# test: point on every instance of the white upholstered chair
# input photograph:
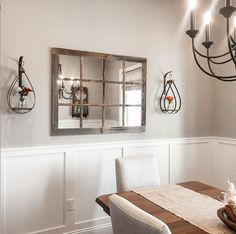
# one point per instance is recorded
(136, 172)
(129, 219)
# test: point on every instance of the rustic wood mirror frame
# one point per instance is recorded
(55, 130)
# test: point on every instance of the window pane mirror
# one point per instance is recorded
(95, 93)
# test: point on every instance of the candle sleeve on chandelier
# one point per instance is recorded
(207, 20)
(71, 81)
(192, 6)
(227, 3)
(207, 32)
(193, 20)
(235, 28)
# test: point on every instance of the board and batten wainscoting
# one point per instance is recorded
(53, 189)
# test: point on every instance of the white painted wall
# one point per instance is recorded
(153, 29)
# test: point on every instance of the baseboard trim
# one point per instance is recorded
(90, 229)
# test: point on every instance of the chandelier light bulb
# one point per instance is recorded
(192, 4)
(207, 17)
(71, 80)
(235, 21)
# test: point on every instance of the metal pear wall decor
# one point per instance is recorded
(21, 96)
(170, 101)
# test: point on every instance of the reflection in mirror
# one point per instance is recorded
(133, 116)
(112, 117)
(114, 94)
(97, 93)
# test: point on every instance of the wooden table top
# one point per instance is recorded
(175, 223)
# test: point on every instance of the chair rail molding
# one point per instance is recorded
(52, 176)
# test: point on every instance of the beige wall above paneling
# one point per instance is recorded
(152, 29)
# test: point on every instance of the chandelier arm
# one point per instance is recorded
(233, 41)
(229, 44)
(223, 78)
(226, 61)
(209, 63)
(67, 92)
(68, 97)
(212, 57)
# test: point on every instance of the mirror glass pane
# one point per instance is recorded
(69, 66)
(133, 71)
(113, 117)
(113, 70)
(94, 92)
(114, 94)
(133, 96)
(64, 118)
(92, 68)
(94, 118)
(133, 116)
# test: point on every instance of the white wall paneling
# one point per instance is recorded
(2, 217)
(94, 175)
(190, 161)
(34, 192)
(53, 189)
(224, 163)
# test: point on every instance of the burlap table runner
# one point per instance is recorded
(198, 209)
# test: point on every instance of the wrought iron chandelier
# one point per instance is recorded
(69, 89)
(63, 91)
(229, 56)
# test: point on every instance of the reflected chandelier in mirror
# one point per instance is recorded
(94, 93)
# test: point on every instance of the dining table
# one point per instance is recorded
(176, 224)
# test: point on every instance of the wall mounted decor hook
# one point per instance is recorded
(170, 100)
(21, 70)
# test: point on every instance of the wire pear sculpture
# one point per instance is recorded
(170, 100)
(21, 96)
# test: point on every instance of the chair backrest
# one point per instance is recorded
(129, 219)
(136, 172)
